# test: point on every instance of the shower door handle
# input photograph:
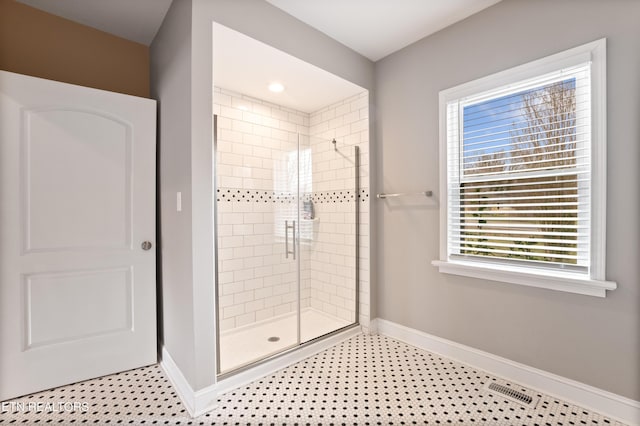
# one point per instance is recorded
(293, 227)
(286, 239)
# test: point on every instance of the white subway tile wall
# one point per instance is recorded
(256, 179)
(332, 266)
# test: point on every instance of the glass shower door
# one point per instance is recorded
(328, 239)
(286, 219)
(257, 243)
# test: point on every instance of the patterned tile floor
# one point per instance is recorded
(367, 380)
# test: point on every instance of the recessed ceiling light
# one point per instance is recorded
(276, 87)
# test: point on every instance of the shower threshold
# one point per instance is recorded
(244, 345)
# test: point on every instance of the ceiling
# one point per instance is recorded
(307, 88)
(377, 28)
(373, 28)
(135, 20)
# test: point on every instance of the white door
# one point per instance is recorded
(77, 200)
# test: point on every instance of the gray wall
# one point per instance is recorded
(182, 81)
(264, 22)
(171, 86)
(589, 339)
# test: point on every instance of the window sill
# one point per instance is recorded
(554, 281)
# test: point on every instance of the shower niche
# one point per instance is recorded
(289, 201)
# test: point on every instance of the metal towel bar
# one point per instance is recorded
(402, 194)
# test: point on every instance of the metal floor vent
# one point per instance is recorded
(514, 395)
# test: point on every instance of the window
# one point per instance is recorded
(523, 169)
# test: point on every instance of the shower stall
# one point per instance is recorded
(286, 220)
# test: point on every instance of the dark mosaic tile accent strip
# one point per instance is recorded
(261, 196)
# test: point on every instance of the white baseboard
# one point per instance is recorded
(196, 402)
(607, 403)
(373, 326)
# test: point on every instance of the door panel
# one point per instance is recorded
(88, 304)
(53, 141)
(77, 199)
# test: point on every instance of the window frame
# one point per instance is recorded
(593, 282)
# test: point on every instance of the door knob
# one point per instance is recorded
(146, 245)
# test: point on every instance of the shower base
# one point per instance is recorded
(244, 345)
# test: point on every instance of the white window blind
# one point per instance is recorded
(519, 173)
